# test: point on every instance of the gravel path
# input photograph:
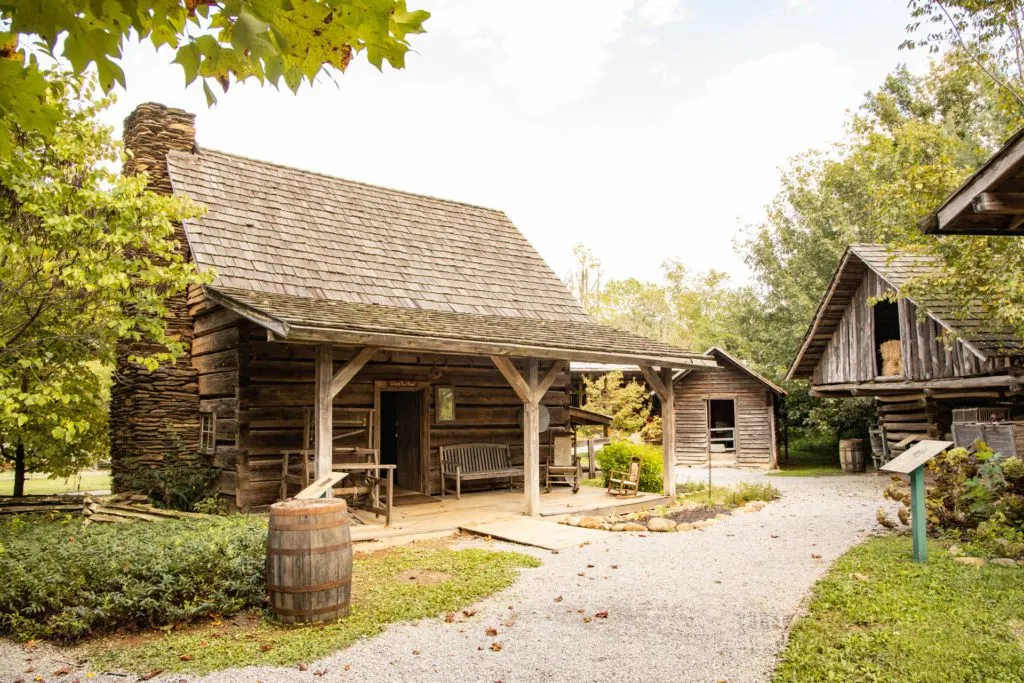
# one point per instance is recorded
(703, 605)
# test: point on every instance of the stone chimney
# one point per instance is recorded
(154, 416)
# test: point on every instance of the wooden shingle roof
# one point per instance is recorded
(315, 258)
(276, 229)
(897, 268)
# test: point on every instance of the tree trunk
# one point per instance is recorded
(19, 470)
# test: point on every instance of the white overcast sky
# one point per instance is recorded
(645, 129)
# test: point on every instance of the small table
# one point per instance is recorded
(375, 507)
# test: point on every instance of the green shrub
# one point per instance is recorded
(62, 581)
(616, 456)
(995, 538)
(746, 491)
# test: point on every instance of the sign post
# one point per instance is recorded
(912, 462)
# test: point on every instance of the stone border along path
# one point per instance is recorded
(707, 605)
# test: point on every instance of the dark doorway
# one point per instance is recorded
(400, 436)
(887, 329)
(722, 425)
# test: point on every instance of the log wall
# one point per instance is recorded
(262, 391)
(850, 355)
(755, 404)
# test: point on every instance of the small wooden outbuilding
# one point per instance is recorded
(729, 415)
(347, 316)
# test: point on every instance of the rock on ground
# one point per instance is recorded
(710, 604)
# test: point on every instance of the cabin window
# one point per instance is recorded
(722, 425)
(889, 356)
(207, 431)
(444, 404)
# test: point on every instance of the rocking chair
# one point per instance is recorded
(619, 483)
(563, 468)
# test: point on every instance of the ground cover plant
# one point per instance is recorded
(63, 581)
(879, 616)
(389, 586)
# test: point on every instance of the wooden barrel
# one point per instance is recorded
(851, 455)
(309, 560)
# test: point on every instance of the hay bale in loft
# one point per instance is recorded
(892, 358)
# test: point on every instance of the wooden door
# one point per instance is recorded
(407, 439)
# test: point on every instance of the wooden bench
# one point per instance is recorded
(476, 461)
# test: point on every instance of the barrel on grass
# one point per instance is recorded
(851, 455)
(309, 560)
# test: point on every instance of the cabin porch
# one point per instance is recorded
(439, 518)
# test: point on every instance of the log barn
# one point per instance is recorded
(730, 416)
(867, 339)
(343, 315)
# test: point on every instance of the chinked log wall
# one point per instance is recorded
(262, 390)
(851, 354)
(754, 405)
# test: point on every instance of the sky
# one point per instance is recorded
(643, 129)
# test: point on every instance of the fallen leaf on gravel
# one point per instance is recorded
(496, 647)
(816, 556)
(509, 623)
(615, 566)
(152, 674)
(558, 599)
(321, 672)
(186, 658)
(554, 552)
(449, 618)
(775, 535)
(468, 612)
(603, 614)
(30, 645)
(479, 647)
(590, 566)
(62, 671)
(491, 631)
(29, 670)
(587, 620)
(303, 667)
(416, 652)
(581, 574)
(584, 543)
(580, 611)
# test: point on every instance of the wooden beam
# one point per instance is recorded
(351, 369)
(999, 203)
(668, 435)
(549, 379)
(995, 170)
(324, 432)
(873, 388)
(656, 383)
(519, 385)
(531, 442)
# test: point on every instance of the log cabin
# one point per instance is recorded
(730, 416)
(343, 315)
(919, 363)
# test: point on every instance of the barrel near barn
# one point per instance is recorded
(851, 455)
(309, 560)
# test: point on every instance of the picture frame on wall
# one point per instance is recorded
(444, 404)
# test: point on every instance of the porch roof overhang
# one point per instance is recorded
(582, 416)
(1008, 381)
(328, 321)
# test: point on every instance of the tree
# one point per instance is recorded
(584, 280)
(628, 403)
(216, 41)
(87, 258)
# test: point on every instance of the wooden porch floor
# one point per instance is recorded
(424, 521)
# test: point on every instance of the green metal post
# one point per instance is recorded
(918, 523)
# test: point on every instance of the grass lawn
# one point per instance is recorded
(809, 462)
(445, 581)
(39, 484)
(879, 616)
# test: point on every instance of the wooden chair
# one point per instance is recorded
(297, 469)
(619, 483)
(563, 468)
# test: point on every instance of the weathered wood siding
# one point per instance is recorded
(262, 390)
(851, 356)
(754, 406)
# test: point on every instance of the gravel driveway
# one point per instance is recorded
(703, 605)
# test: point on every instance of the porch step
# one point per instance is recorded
(617, 507)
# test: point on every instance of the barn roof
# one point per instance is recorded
(897, 268)
(315, 257)
(725, 358)
(990, 202)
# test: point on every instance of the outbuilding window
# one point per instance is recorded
(722, 425)
(889, 355)
(207, 432)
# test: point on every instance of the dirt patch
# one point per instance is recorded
(697, 513)
(1017, 629)
(424, 577)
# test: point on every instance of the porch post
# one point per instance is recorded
(324, 409)
(531, 442)
(668, 433)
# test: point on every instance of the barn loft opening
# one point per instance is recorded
(888, 353)
(722, 425)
